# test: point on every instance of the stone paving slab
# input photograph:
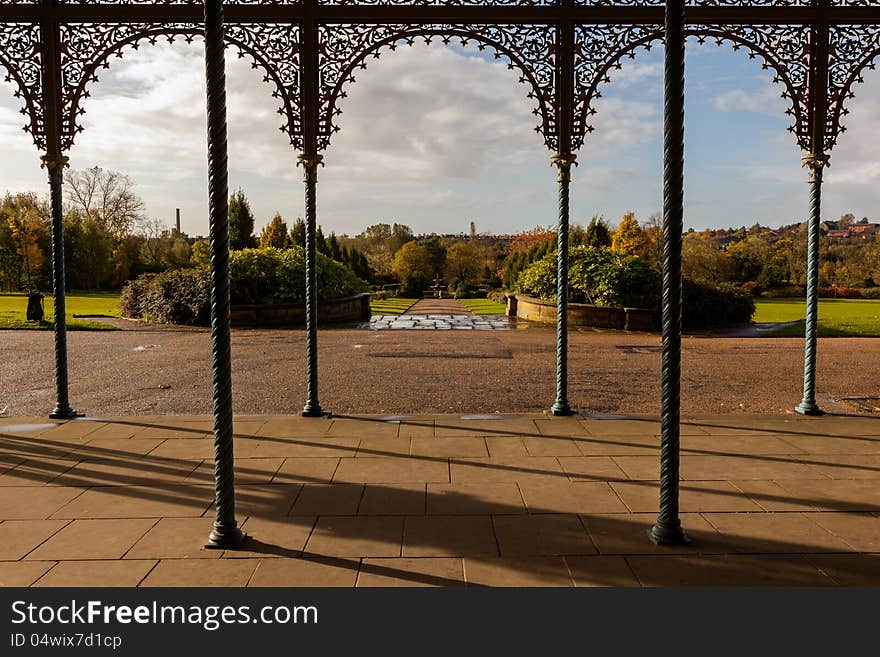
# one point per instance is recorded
(410, 321)
(439, 501)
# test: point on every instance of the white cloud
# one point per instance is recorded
(767, 100)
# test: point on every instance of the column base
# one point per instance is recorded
(312, 410)
(664, 533)
(225, 537)
(63, 413)
(808, 408)
(561, 408)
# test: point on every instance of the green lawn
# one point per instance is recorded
(391, 306)
(837, 317)
(13, 309)
(484, 306)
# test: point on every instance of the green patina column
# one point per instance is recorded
(310, 165)
(563, 159)
(561, 406)
(55, 165)
(667, 530)
(815, 165)
(226, 533)
(54, 161)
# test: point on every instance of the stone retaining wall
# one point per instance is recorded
(291, 315)
(582, 314)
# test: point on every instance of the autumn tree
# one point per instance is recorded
(412, 258)
(464, 263)
(630, 237)
(241, 222)
(25, 228)
(275, 234)
(201, 253)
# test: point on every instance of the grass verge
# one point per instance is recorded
(13, 311)
(391, 306)
(484, 306)
(838, 318)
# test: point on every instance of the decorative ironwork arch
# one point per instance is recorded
(782, 48)
(852, 50)
(344, 48)
(88, 47)
(20, 56)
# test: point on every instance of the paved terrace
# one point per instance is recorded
(441, 500)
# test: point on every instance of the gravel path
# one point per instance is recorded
(152, 370)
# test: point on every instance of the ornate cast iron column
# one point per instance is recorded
(226, 533)
(667, 530)
(815, 162)
(54, 161)
(561, 406)
(563, 159)
(310, 177)
(310, 159)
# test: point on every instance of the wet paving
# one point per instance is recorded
(442, 322)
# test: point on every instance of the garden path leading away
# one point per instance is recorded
(152, 370)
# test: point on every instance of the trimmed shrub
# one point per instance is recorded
(597, 275)
(180, 296)
(707, 305)
(258, 276)
(840, 292)
(785, 292)
(603, 277)
(871, 293)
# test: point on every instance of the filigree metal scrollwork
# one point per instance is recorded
(597, 50)
(344, 48)
(852, 49)
(784, 49)
(87, 47)
(20, 55)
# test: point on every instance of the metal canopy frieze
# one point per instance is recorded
(88, 47)
(21, 56)
(343, 49)
(529, 41)
(852, 49)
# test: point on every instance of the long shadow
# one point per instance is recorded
(166, 464)
(267, 508)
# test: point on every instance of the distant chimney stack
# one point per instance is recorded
(473, 230)
(177, 222)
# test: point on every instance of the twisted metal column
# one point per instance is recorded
(310, 177)
(564, 163)
(667, 530)
(55, 166)
(226, 533)
(814, 164)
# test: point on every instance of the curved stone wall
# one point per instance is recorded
(293, 315)
(582, 314)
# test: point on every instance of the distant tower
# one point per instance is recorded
(177, 223)
(473, 230)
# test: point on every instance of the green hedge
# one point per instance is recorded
(596, 275)
(258, 276)
(604, 277)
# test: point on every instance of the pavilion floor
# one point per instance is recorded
(525, 500)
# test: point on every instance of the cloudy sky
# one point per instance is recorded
(436, 137)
